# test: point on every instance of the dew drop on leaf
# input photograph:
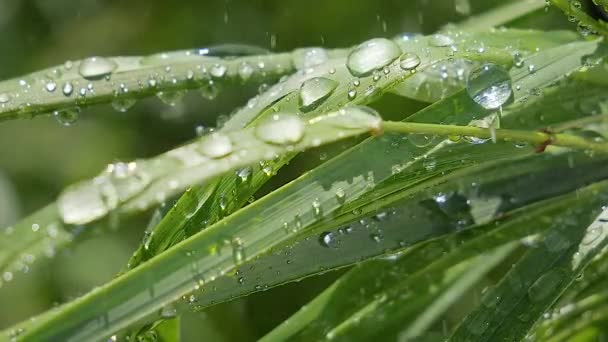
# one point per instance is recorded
(170, 98)
(489, 86)
(67, 89)
(50, 86)
(314, 91)
(409, 61)
(216, 145)
(67, 116)
(281, 129)
(310, 57)
(122, 105)
(328, 239)
(372, 55)
(96, 67)
(4, 98)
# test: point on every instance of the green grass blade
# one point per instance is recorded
(370, 300)
(104, 80)
(541, 276)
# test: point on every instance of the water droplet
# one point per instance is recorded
(50, 86)
(328, 239)
(122, 105)
(489, 86)
(245, 70)
(238, 251)
(409, 61)
(372, 55)
(218, 70)
(314, 91)
(357, 117)
(96, 67)
(485, 123)
(244, 173)
(210, 90)
(281, 129)
(316, 208)
(352, 94)
(308, 58)
(441, 40)
(340, 195)
(4, 97)
(67, 89)
(67, 116)
(216, 145)
(170, 98)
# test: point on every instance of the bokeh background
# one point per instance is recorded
(39, 157)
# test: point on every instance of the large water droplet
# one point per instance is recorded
(308, 58)
(96, 67)
(357, 117)
(372, 55)
(123, 104)
(281, 129)
(170, 98)
(489, 86)
(67, 116)
(409, 61)
(216, 145)
(315, 91)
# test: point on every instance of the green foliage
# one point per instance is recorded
(449, 222)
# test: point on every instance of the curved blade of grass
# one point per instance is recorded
(384, 230)
(541, 275)
(366, 286)
(501, 15)
(130, 78)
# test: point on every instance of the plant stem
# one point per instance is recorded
(536, 138)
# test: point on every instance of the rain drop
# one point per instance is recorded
(409, 61)
(281, 129)
(328, 239)
(50, 86)
(372, 55)
(308, 58)
(4, 97)
(216, 145)
(67, 116)
(314, 91)
(489, 86)
(67, 89)
(96, 67)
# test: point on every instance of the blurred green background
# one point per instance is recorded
(39, 157)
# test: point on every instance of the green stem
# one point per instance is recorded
(536, 138)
